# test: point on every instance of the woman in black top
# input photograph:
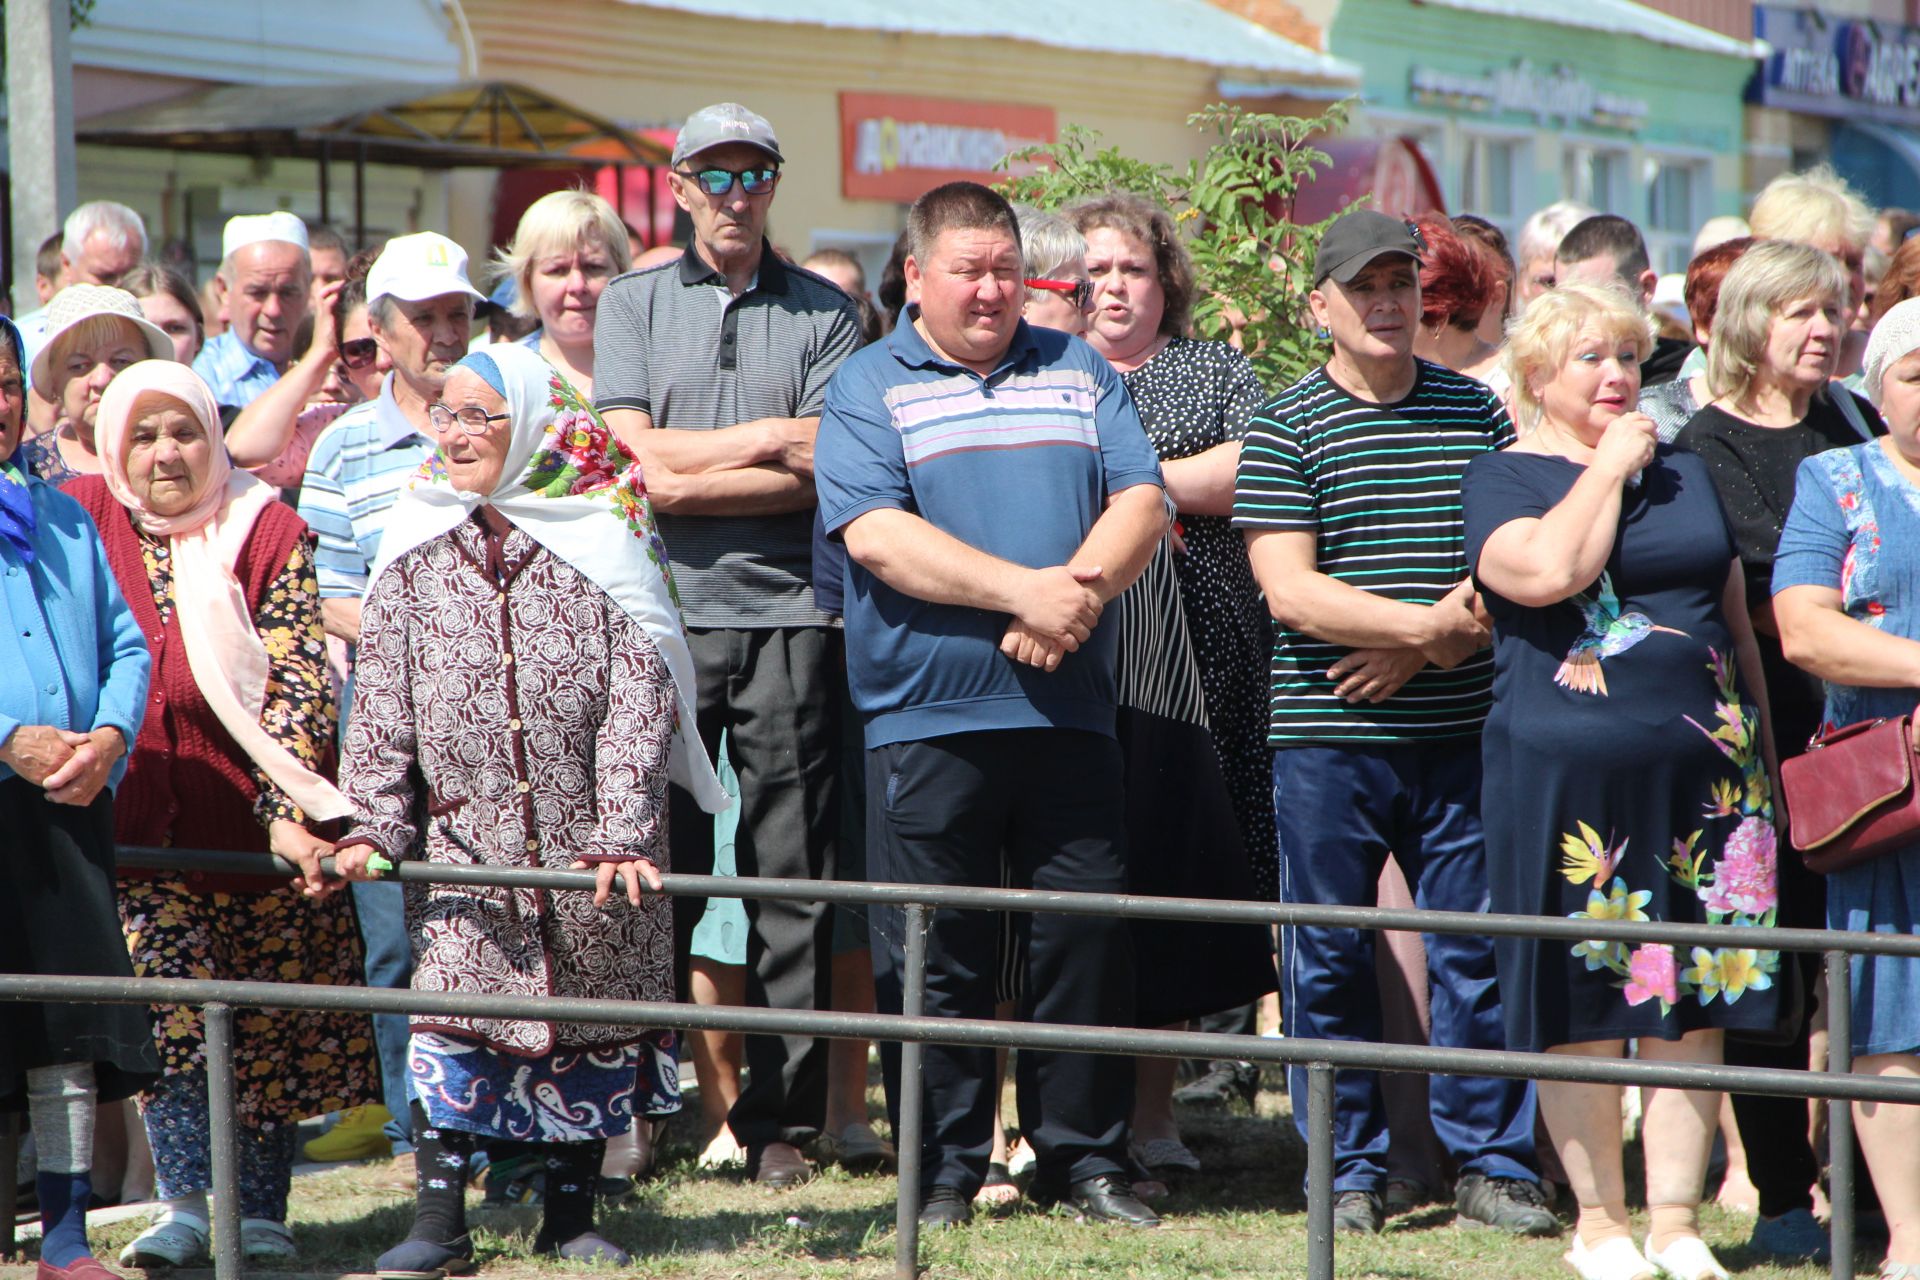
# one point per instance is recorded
(1776, 338)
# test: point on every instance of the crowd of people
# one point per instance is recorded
(704, 560)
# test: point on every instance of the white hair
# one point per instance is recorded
(119, 224)
(1049, 244)
(1542, 233)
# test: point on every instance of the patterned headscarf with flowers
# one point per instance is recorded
(569, 485)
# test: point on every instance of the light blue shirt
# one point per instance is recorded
(71, 654)
(357, 469)
(236, 375)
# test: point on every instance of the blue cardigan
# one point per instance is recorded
(71, 654)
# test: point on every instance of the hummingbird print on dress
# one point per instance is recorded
(1609, 633)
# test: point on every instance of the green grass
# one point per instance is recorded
(1243, 1217)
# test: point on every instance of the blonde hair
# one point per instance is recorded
(555, 223)
(1544, 335)
(1048, 243)
(85, 334)
(1762, 280)
(1816, 205)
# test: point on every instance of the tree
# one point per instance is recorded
(1250, 259)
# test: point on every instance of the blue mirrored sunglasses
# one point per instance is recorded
(718, 182)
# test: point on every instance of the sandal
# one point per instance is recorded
(999, 1191)
(1891, 1270)
(1687, 1258)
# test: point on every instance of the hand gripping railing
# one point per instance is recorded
(1321, 1057)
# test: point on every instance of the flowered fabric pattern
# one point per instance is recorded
(1738, 886)
(1624, 768)
(570, 1096)
(175, 1115)
(299, 708)
(290, 1063)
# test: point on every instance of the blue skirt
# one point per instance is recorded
(1881, 896)
(574, 1095)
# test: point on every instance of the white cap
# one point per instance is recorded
(423, 265)
(252, 228)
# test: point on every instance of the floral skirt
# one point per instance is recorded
(289, 1063)
(571, 1095)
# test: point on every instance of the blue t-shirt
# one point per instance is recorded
(1019, 465)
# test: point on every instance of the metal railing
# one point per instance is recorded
(1322, 1058)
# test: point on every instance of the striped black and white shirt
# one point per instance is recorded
(672, 343)
(1378, 485)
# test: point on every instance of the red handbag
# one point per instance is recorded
(1852, 795)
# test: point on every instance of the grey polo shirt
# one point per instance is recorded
(664, 343)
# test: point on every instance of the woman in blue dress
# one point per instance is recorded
(1626, 762)
(1846, 584)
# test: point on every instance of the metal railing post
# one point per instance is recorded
(1319, 1171)
(10, 1161)
(223, 1123)
(1840, 1112)
(913, 1003)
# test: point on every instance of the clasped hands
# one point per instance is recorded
(1456, 629)
(70, 767)
(1055, 611)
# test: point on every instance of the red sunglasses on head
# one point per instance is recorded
(1079, 292)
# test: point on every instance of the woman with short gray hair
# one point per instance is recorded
(568, 245)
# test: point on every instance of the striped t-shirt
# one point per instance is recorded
(1378, 485)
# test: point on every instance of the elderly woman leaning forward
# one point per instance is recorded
(523, 690)
(76, 680)
(1846, 587)
(1627, 762)
(230, 755)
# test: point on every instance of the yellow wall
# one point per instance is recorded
(651, 67)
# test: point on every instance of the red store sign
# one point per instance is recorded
(896, 147)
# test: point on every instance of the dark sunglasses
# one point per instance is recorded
(359, 353)
(1079, 292)
(718, 182)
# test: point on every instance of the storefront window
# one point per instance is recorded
(1676, 206)
(1595, 176)
(1492, 178)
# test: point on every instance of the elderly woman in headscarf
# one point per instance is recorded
(76, 680)
(231, 754)
(523, 692)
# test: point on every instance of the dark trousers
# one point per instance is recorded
(1341, 811)
(942, 811)
(776, 694)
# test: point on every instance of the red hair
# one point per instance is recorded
(1704, 276)
(1458, 277)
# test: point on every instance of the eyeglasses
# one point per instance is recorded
(1078, 292)
(473, 419)
(359, 353)
(718, 182)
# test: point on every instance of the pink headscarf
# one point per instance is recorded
(225, 653)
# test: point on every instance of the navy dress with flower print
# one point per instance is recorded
(1624, 772)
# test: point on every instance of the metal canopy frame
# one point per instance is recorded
(477, 124)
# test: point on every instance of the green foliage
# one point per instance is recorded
(1250, 261)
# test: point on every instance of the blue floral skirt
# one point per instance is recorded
(574, 1095)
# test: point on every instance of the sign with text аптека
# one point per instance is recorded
(897, 147)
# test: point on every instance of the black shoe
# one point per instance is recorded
(1107, 1198)
(1514, 1205)
(1358, 1212)
(425, 1260)
(1404, 1195)
(1223, 1082)
(945, 1207)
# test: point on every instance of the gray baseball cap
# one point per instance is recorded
(721, 123)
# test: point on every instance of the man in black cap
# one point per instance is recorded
(713, 369)
(1349, 493)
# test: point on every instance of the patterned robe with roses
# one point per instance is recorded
(508, 713)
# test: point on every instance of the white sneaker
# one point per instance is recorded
(1686, 1258)
(1614, 1259)
(265, 1239)
(176, 1240)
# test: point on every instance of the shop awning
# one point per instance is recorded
(1615, 17)
(480, 124)
(1185, 30)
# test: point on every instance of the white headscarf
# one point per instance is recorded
(567, 484)
(1894, 338)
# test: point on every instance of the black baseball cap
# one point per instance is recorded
(1357, 238)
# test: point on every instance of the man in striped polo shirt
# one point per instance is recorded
(713, 369)
(994, 489)
(1349, 493)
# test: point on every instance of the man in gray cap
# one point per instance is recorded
(1349, 493)
(714, 369)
